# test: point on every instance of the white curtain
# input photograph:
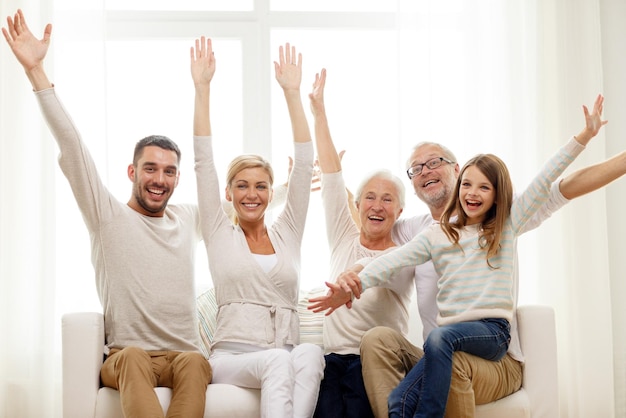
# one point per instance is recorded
(29, 368)
(30, 353)
(510, 80)
(573, 248)
(518, 76)
(613, 14)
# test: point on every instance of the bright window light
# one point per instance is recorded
(362, 107)
(180, 5)
(334, 5)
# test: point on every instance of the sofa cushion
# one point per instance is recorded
(207, 313)
(310, 323)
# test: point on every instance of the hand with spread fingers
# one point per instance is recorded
(29, 51)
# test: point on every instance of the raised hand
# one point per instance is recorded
(315, 179)
(28, 50)
(202, 71)
(289, 68)
(202, 61)
(317, 94)
(593, 121)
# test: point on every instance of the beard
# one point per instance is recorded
(436, 199)
(144, 203)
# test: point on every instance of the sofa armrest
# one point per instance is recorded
(537, 332)
(83, 348)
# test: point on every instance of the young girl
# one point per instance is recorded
(472, 250)
(254, 266)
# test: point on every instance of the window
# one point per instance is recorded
(180, 5)
(398, 73)
(354, 6)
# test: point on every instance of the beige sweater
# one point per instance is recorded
(379, 306)
(144, 265)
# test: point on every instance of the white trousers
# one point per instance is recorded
(289, 380)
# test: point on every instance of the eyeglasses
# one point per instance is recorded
(433, 163)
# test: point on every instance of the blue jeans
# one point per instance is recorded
(342, 391)
(424, 390)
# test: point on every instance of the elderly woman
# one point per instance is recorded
(379, 201)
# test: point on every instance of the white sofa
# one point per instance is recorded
(83, 340)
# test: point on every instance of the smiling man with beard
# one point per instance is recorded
(154, 173)
(142, 252)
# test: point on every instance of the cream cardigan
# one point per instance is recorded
(254, 307)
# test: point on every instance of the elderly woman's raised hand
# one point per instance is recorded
(317, 93)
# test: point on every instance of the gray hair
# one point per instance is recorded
(444, 150)
(383, 174)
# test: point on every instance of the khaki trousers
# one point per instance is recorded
(387, 357)
(135, 372)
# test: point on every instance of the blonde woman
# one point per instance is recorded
(254, 266)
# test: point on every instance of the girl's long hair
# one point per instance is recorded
(492, 226)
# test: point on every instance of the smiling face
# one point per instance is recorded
(250, 191)
(433, 187)
(154, 176)
(379, 207)
(476, 194)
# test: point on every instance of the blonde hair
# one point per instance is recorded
(243, 162)
(492, 226)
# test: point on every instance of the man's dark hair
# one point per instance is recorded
(157, 141)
